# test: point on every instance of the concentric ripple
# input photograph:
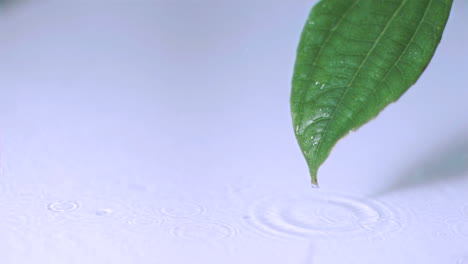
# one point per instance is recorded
(203, 231)
(180, 209)
(63, 206)
(323, 215)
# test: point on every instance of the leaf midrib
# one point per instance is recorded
(325, 131)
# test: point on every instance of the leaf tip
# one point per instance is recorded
(313, 181)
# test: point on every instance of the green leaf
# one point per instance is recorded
(355, 57)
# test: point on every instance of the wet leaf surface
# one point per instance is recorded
(354, 58)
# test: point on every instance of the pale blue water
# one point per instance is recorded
(159, 132)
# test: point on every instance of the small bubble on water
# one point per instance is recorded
(104, 212)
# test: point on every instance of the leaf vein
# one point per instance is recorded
(359, 68)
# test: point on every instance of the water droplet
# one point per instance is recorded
(63, 206)
(321, 87)
(317, 83)
(203, 231)
(297, 129)
(326, 216)
(181, 209)
(94, 209)
(300, 129)
(314, 185)
(311, 22)
(111, 208)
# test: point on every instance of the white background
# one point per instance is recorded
(159, 132)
